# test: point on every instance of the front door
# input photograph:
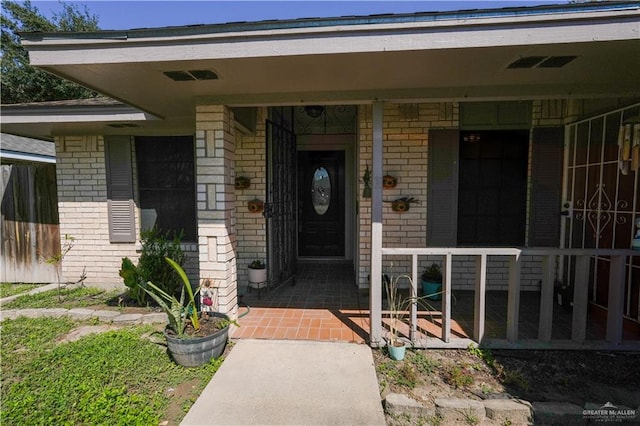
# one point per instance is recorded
(321, 203)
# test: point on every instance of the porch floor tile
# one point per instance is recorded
(323, 305)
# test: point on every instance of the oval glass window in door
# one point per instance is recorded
(321, 190)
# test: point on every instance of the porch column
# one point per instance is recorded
(215, 174)
(375, 292)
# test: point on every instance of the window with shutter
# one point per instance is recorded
(442, 191)
(120, 203)
(546, 185)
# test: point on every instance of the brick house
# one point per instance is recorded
(503, 124)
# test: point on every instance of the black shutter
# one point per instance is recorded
(546, 186)
(120, 204)
(442, 191)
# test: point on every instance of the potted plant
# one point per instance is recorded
(242, 182)
(395, 346)
(256, 206)
(389, 181)
(192, 340)
(402, 205)
(399, 306)
(257, 273)
(432, 282)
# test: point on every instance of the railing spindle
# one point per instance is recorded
(546, 298)
(616, 299)
(513, 298)
(480, 298)
(580, 299)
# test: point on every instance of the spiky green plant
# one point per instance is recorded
(178, 313)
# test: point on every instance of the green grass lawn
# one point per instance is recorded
(10, 289)
(64, 298)
(117, 378)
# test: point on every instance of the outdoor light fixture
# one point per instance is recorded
(314, 111)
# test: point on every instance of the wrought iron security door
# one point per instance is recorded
(280, 207)
(604, 194)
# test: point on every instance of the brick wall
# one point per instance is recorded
(82, 204)
(405, 147)
(405, 156)
(251, 227)
(215, 176)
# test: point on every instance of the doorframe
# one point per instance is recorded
(346, 143)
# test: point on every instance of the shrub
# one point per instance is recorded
(152, 266)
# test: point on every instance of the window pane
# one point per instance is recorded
(321, 190)
(166, 182)
(492, 188)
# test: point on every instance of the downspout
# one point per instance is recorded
(375, 292)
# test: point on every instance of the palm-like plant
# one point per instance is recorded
(177, 312)
(399, 306)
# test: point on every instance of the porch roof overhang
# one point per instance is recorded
(405, 58)
(43, 120)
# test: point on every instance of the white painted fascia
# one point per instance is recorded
(30, 117)
(510, 30)
(21, 156)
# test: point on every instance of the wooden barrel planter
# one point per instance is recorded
(193, 352)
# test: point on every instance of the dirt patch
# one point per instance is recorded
(180, 398)
(125, 305)
(86, 330)
(577, 377)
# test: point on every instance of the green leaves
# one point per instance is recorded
(176, 310)
(191, 306)
(20, 81)
(152, 265)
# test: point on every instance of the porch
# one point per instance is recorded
(325, 305)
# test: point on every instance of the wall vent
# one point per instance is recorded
(541, 62)
(191, 75)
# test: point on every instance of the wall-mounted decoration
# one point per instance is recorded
(242, 182)
(366, 192)
(256, 206)
(389, 181)
(402, 205)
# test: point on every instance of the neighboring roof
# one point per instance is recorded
(26, 149)
(81, 103)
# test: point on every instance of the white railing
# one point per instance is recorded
(615, 307)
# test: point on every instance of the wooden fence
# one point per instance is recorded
(29, 223)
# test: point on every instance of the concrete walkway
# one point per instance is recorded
(270, 382)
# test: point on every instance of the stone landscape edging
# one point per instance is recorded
(488, 411)
(106, 316)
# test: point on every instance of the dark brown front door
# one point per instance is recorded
(321, 207)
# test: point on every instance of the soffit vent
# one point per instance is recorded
(191, 75)
(541, 62)
(122, 125)
(556, 61)
(526, 62)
